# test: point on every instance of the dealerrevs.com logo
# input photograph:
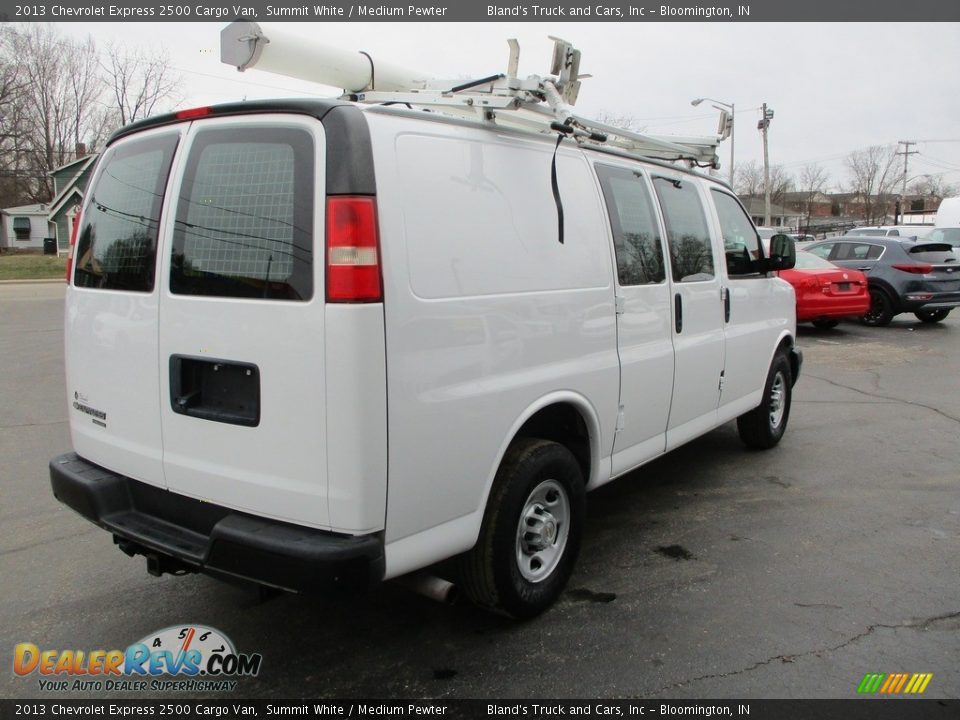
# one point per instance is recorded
(181, 657)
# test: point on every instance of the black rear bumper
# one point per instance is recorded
(178, 533)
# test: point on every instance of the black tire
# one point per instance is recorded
(490, 574)
(932, 316)
(825, 323)
(881, 310)
(763, 426)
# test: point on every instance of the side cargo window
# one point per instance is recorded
(691, 252)
(741, 244)
(244, 218)
(117, 244)
(636, 233)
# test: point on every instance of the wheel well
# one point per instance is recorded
(785, 346)
(887, 290)
(562, 423)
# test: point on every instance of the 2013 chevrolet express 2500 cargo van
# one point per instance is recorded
(309, 340)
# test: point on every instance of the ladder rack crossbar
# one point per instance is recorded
(519, 109)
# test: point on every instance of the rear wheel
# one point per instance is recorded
(531, 531)
(825, 323)
(881, 309)
(763, 426)
(932, 316)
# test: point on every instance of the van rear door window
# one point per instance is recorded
(244, 219)
(117, 244)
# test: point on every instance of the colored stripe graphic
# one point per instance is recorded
(871, 682)
(894, 683)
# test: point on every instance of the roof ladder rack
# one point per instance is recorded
(536, 103)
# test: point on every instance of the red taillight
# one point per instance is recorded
(915, 268)
(73, 243)
(192, 113)
(353, 253)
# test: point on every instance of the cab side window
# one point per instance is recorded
(741, 244)
(691, 253)
(636, 234)
(858, 251)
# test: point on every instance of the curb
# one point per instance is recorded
(38, 281)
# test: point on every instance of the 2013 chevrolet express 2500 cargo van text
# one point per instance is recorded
(309, 340)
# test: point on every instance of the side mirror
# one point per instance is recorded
(783, 253)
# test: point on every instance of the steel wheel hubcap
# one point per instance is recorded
(778, 392)
(542, 531)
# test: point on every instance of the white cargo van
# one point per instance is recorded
(947, 224)
(312, 341)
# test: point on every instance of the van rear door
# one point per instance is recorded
(241, 340)
(112, 309)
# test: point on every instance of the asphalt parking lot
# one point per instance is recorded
(711, 573)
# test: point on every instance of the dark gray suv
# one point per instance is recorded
(903, 276)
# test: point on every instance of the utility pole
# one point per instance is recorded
(907, 152)
(763, 126)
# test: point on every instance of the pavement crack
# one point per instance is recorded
(887, 397)
(819, 605)
(922, 624)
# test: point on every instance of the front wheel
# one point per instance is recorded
(531, 531)
(932, 316)
(763, 426)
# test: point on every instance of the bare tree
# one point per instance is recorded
(59, 102)
(813, 179)
(781, 182)
(11, 151)
(139, 82)
(933, 186)
(748, 180)
(874, 174)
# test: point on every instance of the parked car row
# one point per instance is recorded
(901, 276)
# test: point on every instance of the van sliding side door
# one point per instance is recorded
(644, 336)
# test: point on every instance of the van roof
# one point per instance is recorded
(319, 107)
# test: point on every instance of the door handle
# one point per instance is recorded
(726, 304)
(678, 313)
(865, 268)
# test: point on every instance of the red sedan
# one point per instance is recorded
(826, 292)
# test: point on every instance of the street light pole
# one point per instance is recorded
(733, 125)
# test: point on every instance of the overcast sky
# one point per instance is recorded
(834, 87)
